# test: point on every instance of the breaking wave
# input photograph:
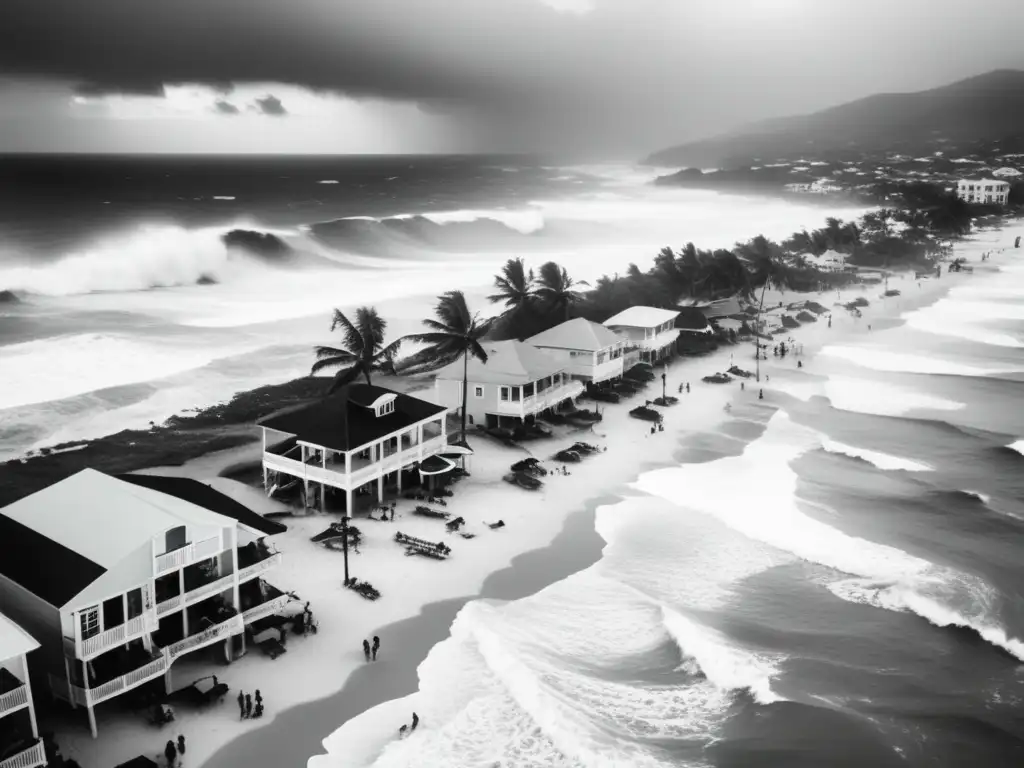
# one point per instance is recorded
(880, 460)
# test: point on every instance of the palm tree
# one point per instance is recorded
(363, 351)
(558, 289)
(515, 286)
(765, 264)
(455, 333)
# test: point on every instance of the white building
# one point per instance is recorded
(589, 351)
(117, 578)
(649, 330)
(517, 383)
(360, 438)
(20, 745)
(990, 191)
(829, 261)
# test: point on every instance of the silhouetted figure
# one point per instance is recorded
(742, 387)
(402, 730)
(259, 698)
(760, 394)
(241, 705)
(653, 429)
(376, 646)
(799, 363)
(170, 753)
(258, 712)
(830, 317)
(366, 649)
(415, 721)
(181, 744)
(248, 705)
(687, 387)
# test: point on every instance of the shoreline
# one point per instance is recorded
(322, 668)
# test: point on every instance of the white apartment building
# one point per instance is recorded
(589, 351)
(649, 330)
(985, 191)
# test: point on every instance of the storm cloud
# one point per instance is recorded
(224, 107)
(271, 105)
(528, 74)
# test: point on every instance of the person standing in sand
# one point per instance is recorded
(376, 646)
(170, 753)
(366, 649)
(248, 705)
(415, 721)
(181, 744)
(241, 705)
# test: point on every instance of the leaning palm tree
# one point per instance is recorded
(557, 289)
(515, 286)
(364, 350)
(765, 264)
(455, 333)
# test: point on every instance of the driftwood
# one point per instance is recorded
(428, 512)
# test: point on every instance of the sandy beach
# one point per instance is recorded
(323, 680)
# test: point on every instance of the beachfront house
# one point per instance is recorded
(20, 745)
(119, 577)
(517, 383)
(356, 440)
(589, 351)
(985, 191)
(651, 332)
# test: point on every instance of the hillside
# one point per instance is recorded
(985, 108)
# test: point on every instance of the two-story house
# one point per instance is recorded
(117, 580)
(357, 438)
(517, 383)
(20, 745)
(651, 332)
(984, 191)
(589, 351)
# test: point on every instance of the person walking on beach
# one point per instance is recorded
(742, 387)
(248, 705)
(415, 721)
(259, 698)
(241, 705)
(170, 753)
(366, 649)
(181, 744)
(687, 387)
(402, 730)
(376, 646)
(760, 394)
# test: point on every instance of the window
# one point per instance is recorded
(504, 394)
(385, 408)
(478, 391)
(515, 394)
(175, 539)
(90, 619)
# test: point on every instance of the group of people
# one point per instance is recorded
(657, 427)
(687, 386)
(409, 728)
(246, 710)
(370, 651)
(172, 751)
(562, 470)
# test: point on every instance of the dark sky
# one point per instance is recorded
(609, 76)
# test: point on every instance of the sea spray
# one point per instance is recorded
(876, 458)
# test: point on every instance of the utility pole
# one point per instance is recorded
(664, 399)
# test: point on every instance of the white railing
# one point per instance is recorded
(265, 609)
(13, 700)
(609, 369)
(33, 757)
(232, 626)
(190, 553)
(127, 681)
(119, 635)
(244, 574)
(167, 606)
(337, 477)
(663, 339)
(203, 591)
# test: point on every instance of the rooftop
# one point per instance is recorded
(14, 641)
(508, 362)
(642, 317)
(346, 421)
(579, 334)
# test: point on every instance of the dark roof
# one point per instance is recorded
(344, 421)
(139, 762)
(204, 496)
(45, 568)
(691, 318)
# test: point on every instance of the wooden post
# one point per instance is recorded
(344, 540)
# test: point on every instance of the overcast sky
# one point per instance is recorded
(610, 77)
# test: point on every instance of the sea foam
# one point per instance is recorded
(873, 397)
(880, 460)
(897, 362)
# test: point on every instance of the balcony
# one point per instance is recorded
(13, 693)
(208, 636)
(262, 565)
(33, 757)
(334, 474)
(660, 341)
(541, 401)
(122, 674)
(268, 608)
(191, 553)
(609, 369)
(90, 647)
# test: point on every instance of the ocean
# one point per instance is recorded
(833, 579)
(132, 309)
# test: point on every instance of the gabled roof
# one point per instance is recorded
(22, 550)
(641, 317)
(105, 519)
(508, 362)
(14, 641)
(345, 420)
(578, 334)
(204, 496)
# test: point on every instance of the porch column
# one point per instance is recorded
(323, 486)
(262, 462)
(305, 480)
(348, 502)
(67, 676)
(184, 608)
(92, 721)
(380, 488)
(88, 704)
(28, 694)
